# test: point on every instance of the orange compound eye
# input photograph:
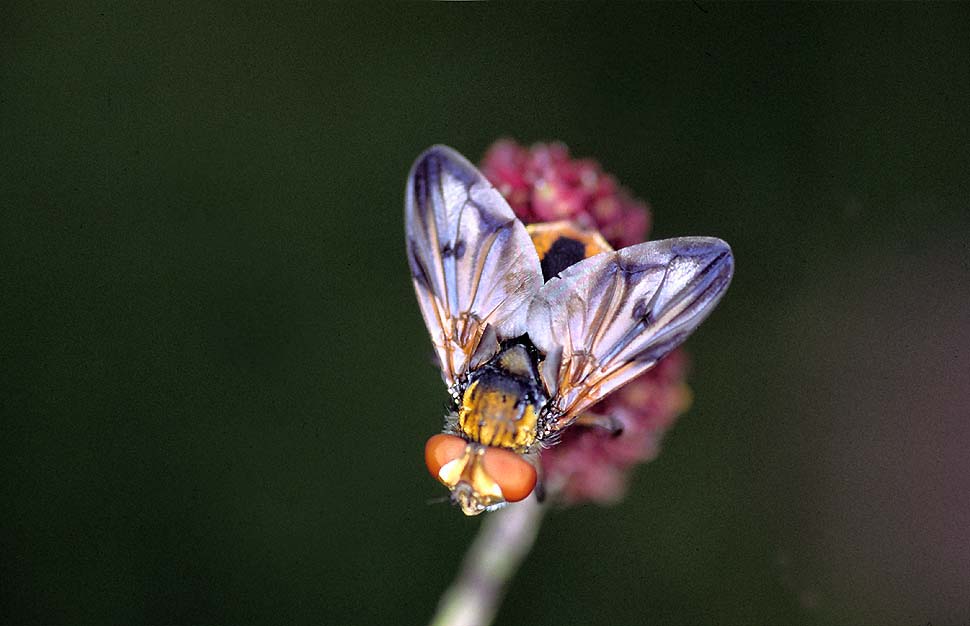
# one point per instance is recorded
(441, 450)
(515, 476)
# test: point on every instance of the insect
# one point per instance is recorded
(534, 325)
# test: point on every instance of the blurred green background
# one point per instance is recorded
(215, 383)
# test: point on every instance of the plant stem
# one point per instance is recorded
(503, 541)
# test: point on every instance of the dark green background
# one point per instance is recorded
(215, 382)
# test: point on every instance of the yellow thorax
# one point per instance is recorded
(495, 417)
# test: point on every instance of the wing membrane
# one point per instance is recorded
(612, 316)
(472, 262)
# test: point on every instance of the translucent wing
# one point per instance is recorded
(473, 264)
(610, 317)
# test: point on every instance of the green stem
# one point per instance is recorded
(503, 541)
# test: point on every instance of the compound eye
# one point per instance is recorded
(442, 449)
(515, 476)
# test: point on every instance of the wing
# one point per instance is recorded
(473, 264)
(610, 317)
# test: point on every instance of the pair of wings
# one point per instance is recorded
(600, 323)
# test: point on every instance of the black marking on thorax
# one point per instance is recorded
(513, 370)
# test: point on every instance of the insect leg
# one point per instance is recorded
(608, 423)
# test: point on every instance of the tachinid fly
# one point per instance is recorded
(533, 325)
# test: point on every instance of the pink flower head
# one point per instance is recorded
(593, 465)
(543, 184)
